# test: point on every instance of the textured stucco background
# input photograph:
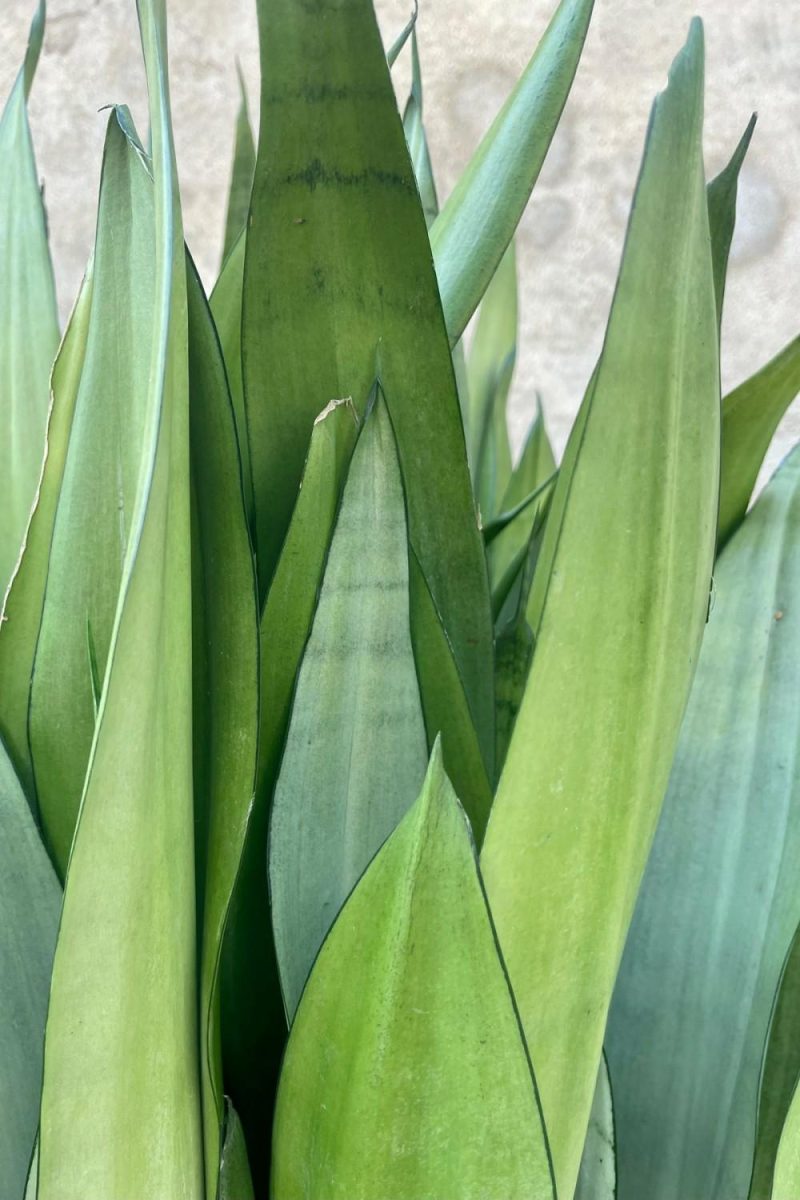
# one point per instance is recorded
(472, 51)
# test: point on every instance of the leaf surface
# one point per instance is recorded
(719, 904)
(244, 162)
(410, 974)
(721, 193)
(617, 609)
(597, 1178)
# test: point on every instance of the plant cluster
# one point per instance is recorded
(382, 818)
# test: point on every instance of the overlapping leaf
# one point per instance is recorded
(244, 161)
(623, 582)
(597, 1178)
(406, 1073)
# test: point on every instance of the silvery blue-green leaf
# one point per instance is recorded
(121, 1107)
(417, 141)
(721, 192)
(406, 1073)
(355, 749)
(719, 902)
(393, 53)
(617, 609)
(750, 416)
(597, 1178)
(30, 901)
(244, 161)
(23, 606)
(478, 221)
(28, 314)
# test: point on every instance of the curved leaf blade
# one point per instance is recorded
(244, 162)
(410, 973)
(721, 193)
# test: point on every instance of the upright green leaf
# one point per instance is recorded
(225, 681)
(750, 416)
(416, 138)
(121, 1112)
(478, 221)
(410, 974)
(719, 902)
(626, 565)
(30, 899)
(490, 367)
(234, 1174)
(337, 272)
(780, 1074)
(597, 1178)
(721, 193)
(393, 53)
(23, 605)
(244, 162)
(254, 1023)
(28, 314)
(355, 750)
(786, 1185)
(226, 307)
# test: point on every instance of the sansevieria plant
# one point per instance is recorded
(382, 818)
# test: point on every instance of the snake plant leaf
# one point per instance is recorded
(225, 680)
(780, 1074)
(478, 220)
(254, 1023)
(394, 51)
(417, 140)
(33, 1174)
(30, 900)
(627, 559)
(719, 904)
(90, 537)
(226, 308)
(244, 162)
(356, 749)
(786, 1185)
(597, 1178)
(234, 1172)
(490, 366)
(750, 416)
(121, 1111)
(338, 271)
(531, 481)
(28, 315)
(536, 462)
(23, 606)
(410, 973)
(721, 193)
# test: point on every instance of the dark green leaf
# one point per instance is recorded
(244, 161)
(721, 193)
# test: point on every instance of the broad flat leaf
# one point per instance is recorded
(244, 161)
(490, 367)
(780, 1074)
(91, 537)
(254, 1023)
(30, 900)
(478, 221)
(406, 1074)
(597, 1178)
(226, 307)
(417, 140)
(121, 1111)
(338, 273)
(23, 606)
(225, 680)
(721, 193)
(625, 569)
(355, 749)
(234, 1172)
(28, 314)
(750, 416)
(719, 902)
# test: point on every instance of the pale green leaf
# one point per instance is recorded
(417, 141)
(786, 1185)
(750, 416)
(30, 900)
(626, 565)
(393, 53)
(478, 221)
(338, 273)
(719, 902)
(121, 1112)
(406, 1074)
(244, 161)
(355, 749)
(28, 314)
(535, 468)
(597, 1178)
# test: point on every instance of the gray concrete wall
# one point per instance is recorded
(472, 51)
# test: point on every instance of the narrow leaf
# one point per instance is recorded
(244, 162)
(625, 565)
(478, 221)
(410, 973)
(393, 53)
(234, 1173)
(597, 1178)
(226, 307)
(417, 141)
(719, 903)
(356, 749)
(721, 194)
